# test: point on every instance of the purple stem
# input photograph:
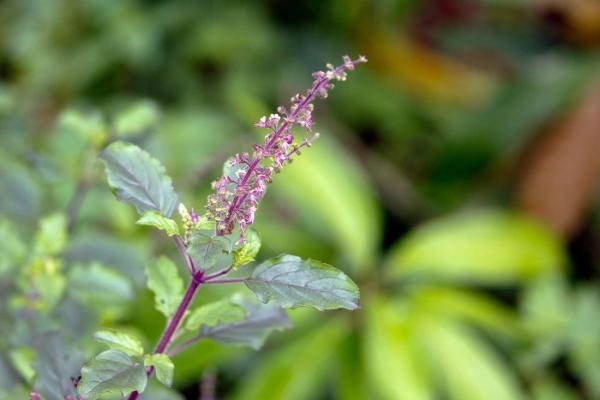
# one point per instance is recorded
(186, 343)
(183, 253)
(167, 335)
(216, 275)
(227, 280)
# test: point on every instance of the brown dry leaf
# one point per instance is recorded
(562, 169)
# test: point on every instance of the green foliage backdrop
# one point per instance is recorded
(410, 191)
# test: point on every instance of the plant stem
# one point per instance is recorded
(167, 335)
(224, 272)
(186, 343)
(183, 253)
(228, 280)
(208, 384)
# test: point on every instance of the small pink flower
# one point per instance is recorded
(235, 202)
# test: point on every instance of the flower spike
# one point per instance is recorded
(237, 194)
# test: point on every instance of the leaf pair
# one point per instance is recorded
(122, 368)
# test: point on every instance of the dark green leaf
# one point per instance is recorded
(257, 323)
(117, 254)
(138, 179)
(210, 252)
(98, 285)
(112, 372)
(293, 282)
(21, 195)
(58, 363)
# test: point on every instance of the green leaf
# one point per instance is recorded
(162, 365)
(57, 363)
(219, 312)
(138, 179)
(299, 369)
(12, 249)
(112, 372)
(17, 392)
(51, 236)
(21, 193)
(249, 249)
(293, 282)
(546, 309)
(156, 391)
(552, 389)
(167, 285)
(22, 360)
(470, 368)
(99, 285)
(252, 330)
(90, 125)
(8, 376)
(350, 382)
(584, 338)
(393, 361)
(120, 341)
(469, 307)
(210, 252)
(47, 280)
(137, 119)
(121, 256)
(153, 218)
(485, 247)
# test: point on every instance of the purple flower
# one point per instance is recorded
(193, 217)
(238, 192)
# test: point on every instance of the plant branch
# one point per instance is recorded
(169, 331)
(185, 344)
(208, 385)
(228, 280)
(221, 273)
(189, 263)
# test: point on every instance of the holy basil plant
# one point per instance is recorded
(211, 246)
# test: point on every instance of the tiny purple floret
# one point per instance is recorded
(236, 196)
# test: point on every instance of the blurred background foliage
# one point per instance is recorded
(455, 180)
